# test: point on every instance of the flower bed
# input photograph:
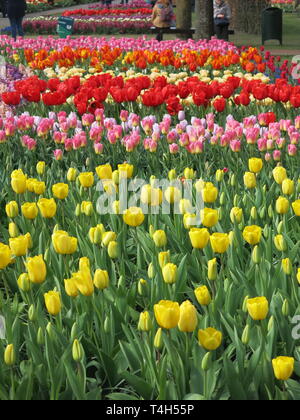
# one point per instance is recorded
(150, 221)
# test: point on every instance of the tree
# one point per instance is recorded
(246, 15)
(184, 14)
(204, 19)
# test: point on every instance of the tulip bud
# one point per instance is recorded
(160, 238)
(285, 309)
(212, 270)
(256, 255)
(158, 341)
(106, 325)
(262, 213)
(236, 200)
(101, 279)
(113, 250)
(233, 180)
(50, 331)
(253, 213)
(219, 175)
(172, 174)
(77, 351)
(151, 230)
(24, 282)
(244, 307)
(151, 272)
(13, 230)
(142, 287)
(222, 198)
(74, 331)
(206, 361)
(246, 335)
(145, 323)
(47, 255)
(9, 355)
(32, 315)
(280, 227)
(266, 231)
(271, 323)
(287, 266)
(270, 212)
(40, 337)
(121, 282)
(280, 243)
(77, 210)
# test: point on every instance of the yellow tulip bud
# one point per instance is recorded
(236, 215)
(36, 268)
(253, 213)
(24, 282)
(71, 174)
(245, 336)
(280, 243)
(77, 351)
(279, 174)
(113, 250)
(206, 361)
(40, 338)
(12, 209)
(9, 355)
(13, 230)
(282, 205)
(287, 266)
(158, 342)
(40, 167)
(244, 306)
(288, 186)
(285, 309)
(249, 180)
(212, 271)
(172, 174)
(163, 258)
(256, 255)
(189, 173)
(107, 237)
(185, 206)
(150, 271)
(219, 175)
(145, 323)
(142, 287)
(296, 207)
(172, 194)
(169, 272)
(298, 275)
(115, 177)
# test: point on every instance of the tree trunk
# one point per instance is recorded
(246, 15)
(204, 19)
(184, 14)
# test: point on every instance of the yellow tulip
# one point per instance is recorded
(283, 367)
(87, 208)
(12, 209)
(279, 174)
(219, 242)
(133, 216)
(172, 174)
(287, 266)
(39, 187)
(125, 170)
(199, 237)
(19, 245)
(60, 190)
(255, 165)
(189, 173)
(40, 167)
(47, 207)
(63, 243)
(288, 186)
(209, 193)
(209, 217)
(160, 238)
(167, 313)
(185, 206)
(150, 195)
(30, 184)
(84, 282)
(188, 317)
(282, 205)
(36, 268)
(71, 174)
(203, 295)
(249, 180)
(86, 179)
(236, 215)
(70, 287)
(210, 338)
(189, 220)
(84, 262)
(95, 234)
(219, 175)
(252, 234)
(258, 308)
(158, 342)
(101, 279)
(13, 230)
(169, 272)
(298, 275)
(18, 182)
(104, 171)
(144, 323)
(172, 194)
(52, 302)
(296, 207)
(29, 210)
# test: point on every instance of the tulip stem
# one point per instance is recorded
(205, 384)
(12, 379)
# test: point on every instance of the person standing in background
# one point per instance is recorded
(3, 5)
(16, 11)
(222, 16)
(162, 16)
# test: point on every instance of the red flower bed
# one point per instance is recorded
(105, 12)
